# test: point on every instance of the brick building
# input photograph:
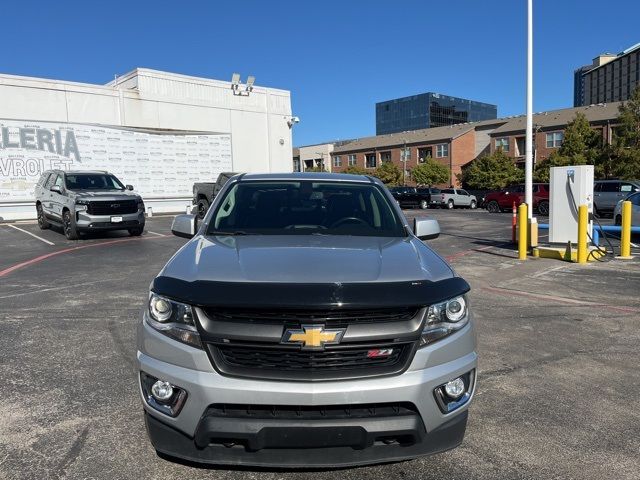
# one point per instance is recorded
(457, 145)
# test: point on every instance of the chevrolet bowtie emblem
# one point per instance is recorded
(313, 336)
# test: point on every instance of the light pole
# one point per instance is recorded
(528, 159)
(403, 157)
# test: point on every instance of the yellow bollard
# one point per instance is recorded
(583, 219)
(522, 234)
(625, 237)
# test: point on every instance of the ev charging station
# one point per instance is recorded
(569, 187)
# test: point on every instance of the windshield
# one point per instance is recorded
(305, 207)
(92, 181)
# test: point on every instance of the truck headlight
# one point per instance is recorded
(173, 319)
(141, 205)
(82, 205)
(444, 318)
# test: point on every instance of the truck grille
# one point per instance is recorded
(115, 207)
(330, 318)
(284, 362)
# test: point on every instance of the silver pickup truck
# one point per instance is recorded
(305, 324)
(456, 197)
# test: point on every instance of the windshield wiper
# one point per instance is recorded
(237, 232)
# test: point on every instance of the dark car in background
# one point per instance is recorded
(412, 197)
(502, 200)
(205, 192)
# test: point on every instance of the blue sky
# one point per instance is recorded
(338, 58)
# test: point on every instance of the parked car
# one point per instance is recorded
(502, 200)
(412, 197)
(85, 201)
(205, 192)
(634, 198)
(305, 324)
(456, 197)
(607, 194)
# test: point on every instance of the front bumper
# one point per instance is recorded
(87, 222)
(194, 435)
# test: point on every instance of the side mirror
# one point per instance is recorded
(56, 188)
(129, 187)
(426, 228)
(184, 226)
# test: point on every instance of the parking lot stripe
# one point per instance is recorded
(154, 233)
(33, 235)
(41, 258)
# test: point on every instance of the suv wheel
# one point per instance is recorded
(424, 204)
(543, 208)
(69, 226)
(42, 220)
(493, 207)
(473, 205)
(203, 206)
(136, 232)
(450, 205)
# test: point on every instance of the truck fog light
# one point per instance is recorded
(455, 393)
(454, 388)
(162, 395)
(162, 391)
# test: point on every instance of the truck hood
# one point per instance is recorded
(105, 195)
(305, 259)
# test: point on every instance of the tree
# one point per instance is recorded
(491, 172)
(430, 173)
(354, 170)
(625, 151)
(582, 145)
(389, 173)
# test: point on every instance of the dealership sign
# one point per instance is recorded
(159, 165)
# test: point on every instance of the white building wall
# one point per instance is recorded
(149, 99)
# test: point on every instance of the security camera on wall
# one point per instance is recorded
(295, 119)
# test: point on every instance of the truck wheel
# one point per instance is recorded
(203, 206)
(543, 208)
(493, 207)
(450, 205)
(136, 232)
(69, 226)
(424, 204)
(473, 205)
(42, 220)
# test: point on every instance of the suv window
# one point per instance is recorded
(519, 189)
(627, 187)
(448, 191)
(463, 192)
(50, 181)
(43, 179)
(635, 199)
(305, 208)
(610, 187)
(59, 181)
(93, 181)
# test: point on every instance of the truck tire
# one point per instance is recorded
(203, 207)
(450, 204)
(424, 204)
(42, 219)
(69, 226)
(473, 205)
(493, 207)
(136, 232)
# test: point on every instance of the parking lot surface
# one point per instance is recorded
(558, 343)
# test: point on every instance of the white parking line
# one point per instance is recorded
(154, 233)
(33, 235)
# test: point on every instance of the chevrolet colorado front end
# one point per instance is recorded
(305, 324)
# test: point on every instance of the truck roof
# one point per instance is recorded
(318, 176)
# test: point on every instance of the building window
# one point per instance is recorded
(337, 161)
(296, 164)
(503, 144)
(442, 150)
(352, 160)
(554, 140)
(424, 154)
(385, 157)
(370, 160)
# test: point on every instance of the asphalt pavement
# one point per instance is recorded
(558, 378)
